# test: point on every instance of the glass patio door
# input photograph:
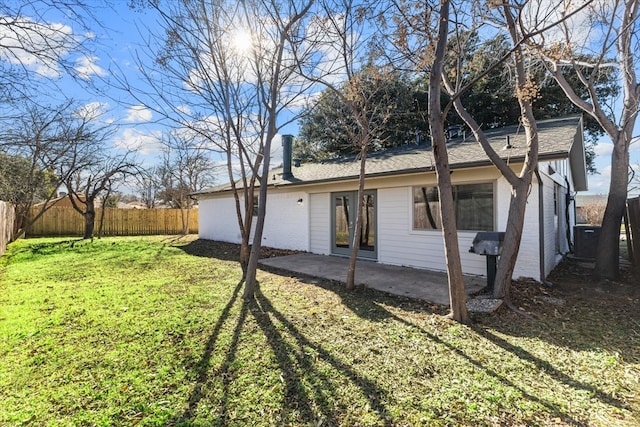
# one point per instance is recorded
(343, 222)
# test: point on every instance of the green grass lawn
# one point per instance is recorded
(153, 331)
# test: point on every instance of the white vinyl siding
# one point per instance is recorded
(320, 223)
(398, 244)
(307, 226)
(529, 254)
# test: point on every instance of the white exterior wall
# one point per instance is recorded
(528, 263)
(320, 223)
(551, 223)
(217, 219)
(399, 244)
(555, 226)
(307, 226)
(286, 222)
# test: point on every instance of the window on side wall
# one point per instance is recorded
(473, 205)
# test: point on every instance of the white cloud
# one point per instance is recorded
(138, 113)
(135, 140)
(581, 27)
(184, 109)
(603, 149)
(87, 67)
(599, 184)
(37, 46)
(93, 110)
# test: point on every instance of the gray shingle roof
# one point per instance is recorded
(556, 138)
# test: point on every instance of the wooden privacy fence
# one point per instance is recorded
(7, 217)
(65, 221)
(633, 229)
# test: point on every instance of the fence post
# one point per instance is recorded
(65, 221)
(7, 218)
(633, 232)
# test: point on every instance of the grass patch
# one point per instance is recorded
(153, 331)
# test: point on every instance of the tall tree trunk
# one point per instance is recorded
(357, 232)
(251, 281)
(89, 219)
(252, 266)
(457, 297)
(520, 186)
(245, 252)
(608, 255)
(512, 238)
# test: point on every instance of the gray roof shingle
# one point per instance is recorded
(556, 138)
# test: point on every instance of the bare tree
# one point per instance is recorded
(611, 42)
(457, 80)
(526, 93)
(86, 184)
(593, 211)
(347, 71)
(203, 82)
(277, 90)
(186, 168)
(226, 72)
(57, 142)
(36, 47)
(421, 36)
(148, 186)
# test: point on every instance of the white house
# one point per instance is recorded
(310, 206)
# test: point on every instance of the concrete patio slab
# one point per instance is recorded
(408, 282)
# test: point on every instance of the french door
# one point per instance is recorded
(343, 222)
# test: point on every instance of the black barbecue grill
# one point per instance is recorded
(489, 244)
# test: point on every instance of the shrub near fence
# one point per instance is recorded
(65, 221)
(7, 217)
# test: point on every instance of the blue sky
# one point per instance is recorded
(116, 43)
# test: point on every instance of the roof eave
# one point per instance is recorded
(578, 162)
(426, 169)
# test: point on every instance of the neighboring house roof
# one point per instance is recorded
(558, 138)
(63, 201)
(60, 201)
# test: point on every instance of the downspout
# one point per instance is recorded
(568, 199)
(543, 278)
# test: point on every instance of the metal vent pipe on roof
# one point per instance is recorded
(287, 152)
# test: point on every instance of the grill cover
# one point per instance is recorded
(488, 243)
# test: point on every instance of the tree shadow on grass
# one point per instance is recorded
(553, 409)
(225, 251)
(569, 318)
(374, 306)
(549, 369)
(307, 390)
(203, 366)
(212, 249)
(298, 368)
(364, 302)
(46, 248)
